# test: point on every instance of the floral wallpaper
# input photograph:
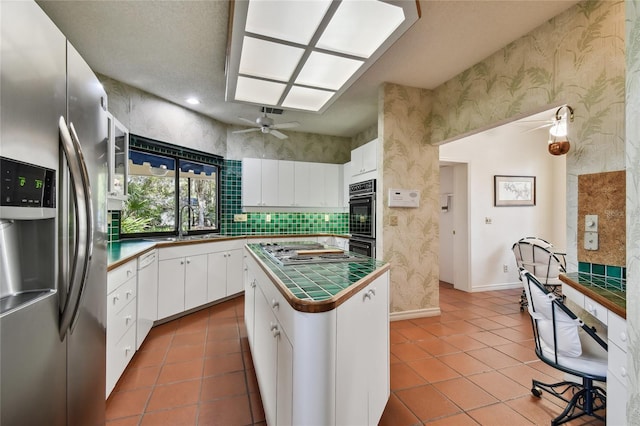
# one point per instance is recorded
(409, 162)
(576, 58)
(297, 147)
(632, 148)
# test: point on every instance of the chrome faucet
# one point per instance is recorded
(180, 216)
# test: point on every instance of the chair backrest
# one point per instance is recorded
(554, 327)
(536, 256)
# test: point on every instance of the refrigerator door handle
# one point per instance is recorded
(84, 224)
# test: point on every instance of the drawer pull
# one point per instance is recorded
(128, 293)
(116, 298)
(592, 310)
(274, 326)
(623, 372)
(129, 272)
(275, 304)
(276, 332)
(127, 319)
(623, 336)
(127, 349)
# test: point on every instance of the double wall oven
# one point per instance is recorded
(362, 217)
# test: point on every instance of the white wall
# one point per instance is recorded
(507, 150)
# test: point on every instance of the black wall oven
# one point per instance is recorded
(362, 217)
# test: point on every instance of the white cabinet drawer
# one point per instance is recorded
(618, 331)
(121, 274)
(119, 323)
(596, 309)
(618, 364)
(117, 299)
(118, 357)
(573, 295)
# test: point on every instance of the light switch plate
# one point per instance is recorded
(591, 241)
(591, 223)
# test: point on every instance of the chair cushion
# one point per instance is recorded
(567, 337)
(593, 359)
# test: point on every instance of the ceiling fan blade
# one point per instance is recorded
(246, 120)
(246, 130)
(278, 134)
(288, 125)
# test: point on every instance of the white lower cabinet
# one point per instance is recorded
(617, 371)
(121, 320)
(275, 363)
(359, 323)
(182, 284)
(225, 270)
(326, 368)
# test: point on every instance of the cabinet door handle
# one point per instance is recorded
(127, 349)
(273, 326)
(129, 272)
(128, 293)
(372, 291)
(623, 372)
(623, 336)
(182, 262)
(188, 261)
(276, 332)
(253, 284)
(275, 304)
(246, 269)
(116, 298)
(366, 296)
(127, 319)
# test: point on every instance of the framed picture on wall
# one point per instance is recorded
(514, 191)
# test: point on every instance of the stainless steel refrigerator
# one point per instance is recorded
(53, 144)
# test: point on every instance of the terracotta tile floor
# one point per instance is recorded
(471, 365)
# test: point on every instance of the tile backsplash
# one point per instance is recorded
(603, 270)
(280, 223)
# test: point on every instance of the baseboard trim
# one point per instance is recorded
(492, 287)
(416, 313)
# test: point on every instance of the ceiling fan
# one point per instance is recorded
(266, 124)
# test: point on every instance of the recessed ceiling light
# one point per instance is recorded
(193, 101)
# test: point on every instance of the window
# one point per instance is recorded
(160, 194)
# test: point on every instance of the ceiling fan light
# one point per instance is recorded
(360, 27)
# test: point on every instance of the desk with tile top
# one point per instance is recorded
(605, 299)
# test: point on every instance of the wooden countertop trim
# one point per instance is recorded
(595, 296)
(160, 244)
(124, 260)
(315, 307)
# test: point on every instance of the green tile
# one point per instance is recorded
(614, 271)
(597, 269)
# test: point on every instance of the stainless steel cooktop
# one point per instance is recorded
(304, 253)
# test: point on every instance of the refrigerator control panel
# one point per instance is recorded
(26, 185)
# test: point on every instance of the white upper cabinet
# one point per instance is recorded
(269, 174)
(251, 182)
(118, 161)
(364, 158)
(291, 184)
(286, 183)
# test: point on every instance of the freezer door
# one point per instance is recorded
(33, 84)
(86, 339)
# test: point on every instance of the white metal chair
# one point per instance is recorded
(539, 258)
(564, 342)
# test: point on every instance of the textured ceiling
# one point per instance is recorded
(176, 49)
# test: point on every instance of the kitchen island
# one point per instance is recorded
(319, 338)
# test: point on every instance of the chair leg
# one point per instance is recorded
(523, 301)
(581, 400)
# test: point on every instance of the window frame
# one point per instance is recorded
(177, 153)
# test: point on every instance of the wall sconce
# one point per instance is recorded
(558, 139)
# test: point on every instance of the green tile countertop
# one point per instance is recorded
(608, 291)
(119, 252)
(320, 282)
